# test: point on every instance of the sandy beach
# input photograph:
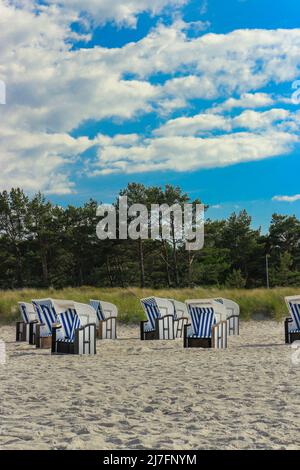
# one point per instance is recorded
(153, 395)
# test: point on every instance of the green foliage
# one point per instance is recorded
(284, 275)
(236, 279)
(43, 245)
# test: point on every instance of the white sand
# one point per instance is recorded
(155, 395)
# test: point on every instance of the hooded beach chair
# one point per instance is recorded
(76, 331)
(292, 323)
(232, 315)
(25, 329)
(47, 318)
(161, 319)
(106, 316)
(208, 328)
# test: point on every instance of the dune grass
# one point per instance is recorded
(254, 303)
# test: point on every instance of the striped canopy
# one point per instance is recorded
(27, 311)
(293, 305)
(151, 309)
(295, 313)
(46, 312)
(203, 319)
(96, 304)
(70, 322)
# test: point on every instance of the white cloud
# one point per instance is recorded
(119, 11)
(193, 125)
(254, 120)
(37, 161)
(246, 100)
(206, 122)
(294, 198)
(238, 61)
(53, 89)
(187, 153)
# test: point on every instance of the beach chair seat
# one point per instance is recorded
(26, 328)
(106, 319)
(232, 315)
(160, 324)
(292, 323)
(74, 334)
(208, 327)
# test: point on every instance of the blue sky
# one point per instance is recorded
(192, 93)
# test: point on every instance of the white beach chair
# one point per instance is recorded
(208, 328)
(292, 323)
(76, 331)
(25, 329)
(161, 321)
(232, 315)
(106, 316)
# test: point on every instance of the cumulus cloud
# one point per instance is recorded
(294, 198)
(246, 100)
(54, 88)
(205, 122)
(118, 11)
(186, 153)
(39, 160)
(254, 120)
(200, 123)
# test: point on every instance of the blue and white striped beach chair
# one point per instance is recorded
(25, 329)
(232, 315)
(47, 318)
(292, 323)
(208, 328)
(106, 319)
(75, 333)
(160, 323)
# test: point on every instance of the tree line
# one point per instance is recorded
(43, 244)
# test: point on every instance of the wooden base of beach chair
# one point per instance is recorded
(107, 329)
(147, 335)
(26, 332)
(164, 329)
(44, 342)
(41, 342)
(294, 337)
(63, 347)
(290, 337)
(197, 342)
(218, 339)
(84, 343)
(233, 325)
(21, 331)
(32, 332)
